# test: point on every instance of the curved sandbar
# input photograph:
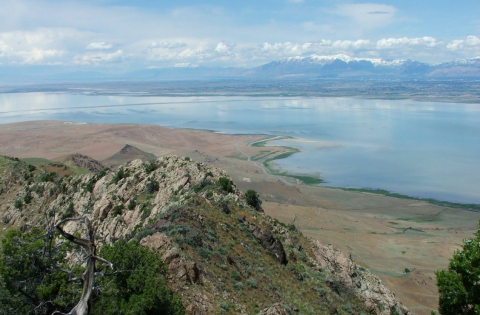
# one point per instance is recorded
(289, 146)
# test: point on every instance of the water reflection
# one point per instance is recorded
(421, 149)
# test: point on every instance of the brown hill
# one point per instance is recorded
(127, 154)
(83, 161)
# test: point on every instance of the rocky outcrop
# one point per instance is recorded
(273, 245)
(347, 274)
(87, 162)
(221, 254)
(275, 309)
(178, 266)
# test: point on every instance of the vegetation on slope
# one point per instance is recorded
(222, 254)
(459, 285)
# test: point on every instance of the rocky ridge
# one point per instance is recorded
(223, 256)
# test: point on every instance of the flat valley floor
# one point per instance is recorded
(385, 234)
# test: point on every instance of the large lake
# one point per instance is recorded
(419, 149)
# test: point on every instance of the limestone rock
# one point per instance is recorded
(275, 309)
(273, 245)
(366, 286)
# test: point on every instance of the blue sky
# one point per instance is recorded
(126, 35)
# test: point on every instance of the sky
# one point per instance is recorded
(124, 35)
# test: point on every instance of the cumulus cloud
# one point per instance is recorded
(39, 46)
(166, 45)
(99, 58)
(470, 41)
(405, 42)
(185, 65)
(324, 46)
(224, 48)
(99, 46)
(349, 44)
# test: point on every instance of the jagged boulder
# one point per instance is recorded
(275, 309)
(181, 269)
(273, 245)
(347, 274)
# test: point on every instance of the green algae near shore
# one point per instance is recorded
(383, 192)
(305, 179)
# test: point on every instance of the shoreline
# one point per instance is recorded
(316, 181)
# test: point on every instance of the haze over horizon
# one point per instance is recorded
(119, 36)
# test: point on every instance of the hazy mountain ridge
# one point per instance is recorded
(224, 257)
(343, 65)
(313, 66)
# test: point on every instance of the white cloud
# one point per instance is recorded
(99, 46)
(37, 55)
(455, 44)
(87, 33)
(224, 48)
(405, 42)
(39, 46)
(166, 45)
(470, 41)
(99, 58)
(349, 44)
(185, 65)
(324, 46)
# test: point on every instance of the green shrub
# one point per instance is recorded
(223, 267)
(144, 233)
(119, 175)
(203, 252)
(458, 286)
(69, 212)
(152, 186)
(88, 186)
(118, 209)
(253, 199)
(150, 166)
(132, 204)
(238, 286)
(225, 184)
(47, 177)
(236, 275)
(18, 204)
(224, 305)
(27, 198)
(140, 287)
(251, 283)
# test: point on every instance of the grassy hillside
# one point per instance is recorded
(224, 257)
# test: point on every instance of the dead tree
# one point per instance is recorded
(88, 277)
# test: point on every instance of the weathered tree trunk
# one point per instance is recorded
(88, 277)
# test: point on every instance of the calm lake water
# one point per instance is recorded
(419, 149)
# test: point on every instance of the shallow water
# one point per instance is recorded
(419, 149)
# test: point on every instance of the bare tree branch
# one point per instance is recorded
(88, 277)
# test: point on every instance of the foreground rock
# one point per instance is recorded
(348, 275)
(222, 255)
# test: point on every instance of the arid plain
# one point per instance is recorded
(390, 236)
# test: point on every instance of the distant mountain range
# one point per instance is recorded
(345, 66)
(314, 66)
